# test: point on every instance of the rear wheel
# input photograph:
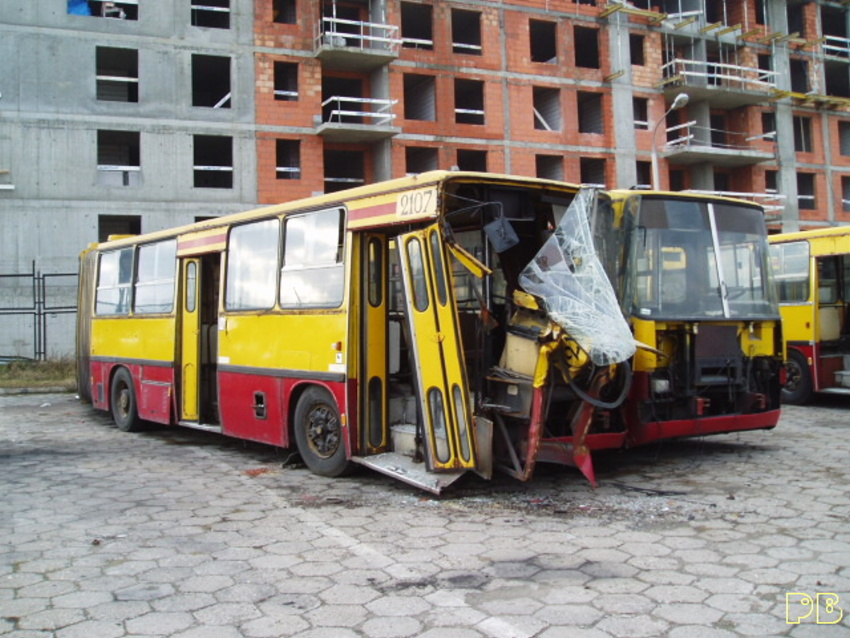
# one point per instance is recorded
(319, 433)
(123, 402)
(798, 379)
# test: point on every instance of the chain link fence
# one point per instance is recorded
(38, 315)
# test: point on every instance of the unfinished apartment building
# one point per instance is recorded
(135, 115)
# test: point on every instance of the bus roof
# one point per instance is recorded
(831, 232)
(617, 194)
(346, 198)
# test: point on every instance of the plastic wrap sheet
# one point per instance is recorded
(568, 276)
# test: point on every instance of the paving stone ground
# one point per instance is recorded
(186, 534)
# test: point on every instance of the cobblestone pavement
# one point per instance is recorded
(181, 533)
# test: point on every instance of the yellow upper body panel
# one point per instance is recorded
(149, 338)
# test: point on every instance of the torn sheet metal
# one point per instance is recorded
(567, 274)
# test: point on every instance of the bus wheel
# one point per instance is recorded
(123, 400)
(798, 382)
(318, 434)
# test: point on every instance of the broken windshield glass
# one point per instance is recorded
(568, 276)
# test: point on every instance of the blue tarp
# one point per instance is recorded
(79, 7)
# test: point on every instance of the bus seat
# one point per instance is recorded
(829, 320)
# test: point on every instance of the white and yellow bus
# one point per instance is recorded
(390, 326)
(813, 279)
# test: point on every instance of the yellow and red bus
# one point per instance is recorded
(694, 279)
(389, 325)
(813, 280)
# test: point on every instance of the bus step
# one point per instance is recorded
(842, 378)
(206, 427)
(407, 470)
(838, 390)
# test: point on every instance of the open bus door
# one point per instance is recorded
(437, 353)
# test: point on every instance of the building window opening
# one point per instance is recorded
(124, 10)
(592, 171)
(844, 137)
(344, 169)
(549, 167)
(590, 118)
(118, 158)
(717, 121)
(643, 172)
(344, 100)
(469, 101)
(641, 113)
(417, 31)
(836, 78)
(288, 153)
(760, 12)
(806, 191)
(768, 124)
(214, 14)
(117, 74)
(797, 19)
(211, 81)
(771, 182)
(799, 76)
(636, 49)
(419, 159)
(546, 104)
(286, 81)
(468, 160)
(420, 97)
(587, 47)
(802, 134)
(213, 155)
(284, 11)
(544, 41)
(845, 193)
(109, 225)
(466, 32)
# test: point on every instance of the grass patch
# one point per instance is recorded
(58, 373)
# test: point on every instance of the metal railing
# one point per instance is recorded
(732, 76)
(691, 135)
(358, 110)
(37, 314)
(836, 46)
(365, 36)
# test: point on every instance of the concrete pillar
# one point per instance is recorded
(621, 102)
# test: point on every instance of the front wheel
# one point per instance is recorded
(319, 433)
(123, 402)
(798, 379)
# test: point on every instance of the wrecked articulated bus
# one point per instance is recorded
(424, 327)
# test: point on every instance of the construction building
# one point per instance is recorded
(135, 115)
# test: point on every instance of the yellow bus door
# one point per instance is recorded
(373, 338)
(190, 340)
(437, 351)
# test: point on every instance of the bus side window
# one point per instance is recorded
(115, 276)
(827, 280)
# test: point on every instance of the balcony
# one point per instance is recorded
(357, 119)
(352, 45)
(701, 145)
(726, 86)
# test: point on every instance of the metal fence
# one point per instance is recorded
(37, 315)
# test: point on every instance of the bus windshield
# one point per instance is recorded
(696, 259)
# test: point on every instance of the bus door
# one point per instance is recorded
(374, 326)
(190, 340)
(436, 351)
(198, 353)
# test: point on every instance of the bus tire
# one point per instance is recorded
(319, 433)
(122, 396)
(798, 379)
